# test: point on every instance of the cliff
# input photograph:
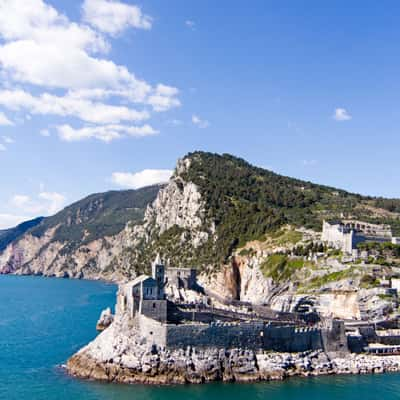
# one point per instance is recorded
(81, 241)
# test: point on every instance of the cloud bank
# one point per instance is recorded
(140, 179)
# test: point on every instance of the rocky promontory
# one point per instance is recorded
(118, 354)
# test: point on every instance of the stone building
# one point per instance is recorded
(345, 235)
(165, 324)
(182, 278)
(145, 295)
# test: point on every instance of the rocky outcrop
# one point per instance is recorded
(105, 320)
(119, 355)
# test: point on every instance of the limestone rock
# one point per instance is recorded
(105, 320)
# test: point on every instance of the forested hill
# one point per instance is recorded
(246, 201)
(9, 235)
(95, 216)
(99, 215)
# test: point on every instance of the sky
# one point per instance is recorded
(101, 94)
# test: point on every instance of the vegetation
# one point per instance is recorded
(385, 248)
(369, 281)
(247, 202)
(323, 280)
(89, 219)
(286, 236)
(9, 235)
(280, 267)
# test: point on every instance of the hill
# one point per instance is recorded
(211, 207)
(9, 235)
(243, 203)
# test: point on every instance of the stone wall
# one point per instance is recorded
(338, 236)
(250, 335)
(155, 309)
(223, 335)
(291, 339)
(151, 331)
(334, 337)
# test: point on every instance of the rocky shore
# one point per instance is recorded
(118, 355)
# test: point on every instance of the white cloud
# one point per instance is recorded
(8, 139)
(69, 105)
(4, 120)
(20, 200)
(174, 122)
(190, 24)
(341, 114)
(42, 47)
(2, 147)
(140, 179)
(310, 163)
(37, 21)
(10, 220)
(44, 132)
(105, 133)
(201, 123)
(45, 203)
(54, 201)
(164, 98)
(113, 17)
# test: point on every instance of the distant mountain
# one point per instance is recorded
(9, 235)
(78, 238)
(98, 215)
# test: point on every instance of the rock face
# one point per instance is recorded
(105, 320)
(119, 256)
(43, 256)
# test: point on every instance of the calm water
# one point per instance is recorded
(43, 321)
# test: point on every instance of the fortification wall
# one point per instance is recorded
(291, 339)
(248, 335)
(153, 332)
(334, 337)
(251, 335)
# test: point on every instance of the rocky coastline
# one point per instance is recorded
(119, 355)
(235, 365)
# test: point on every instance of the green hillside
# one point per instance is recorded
(95, 216)
(9, 235)
(246, 202)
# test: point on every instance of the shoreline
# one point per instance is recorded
(83, 367)
(120, 355)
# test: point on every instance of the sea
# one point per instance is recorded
(43, 321)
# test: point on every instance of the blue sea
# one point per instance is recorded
(45, 320)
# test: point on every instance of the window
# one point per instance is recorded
(154, 305)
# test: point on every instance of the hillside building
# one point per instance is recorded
(162, 323)
(345, 235)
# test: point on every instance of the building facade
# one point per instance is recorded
(346, 235)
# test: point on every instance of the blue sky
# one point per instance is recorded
(95, 92)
